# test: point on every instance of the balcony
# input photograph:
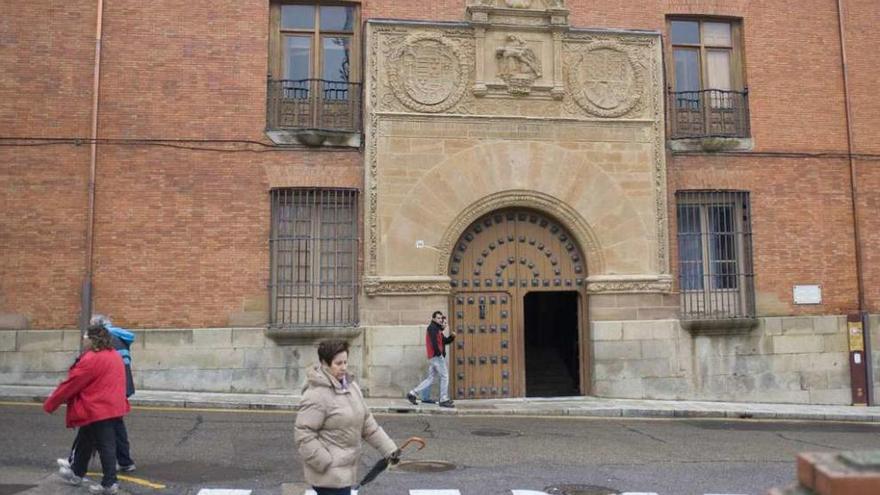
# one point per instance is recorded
(710, 113)
(314, 112)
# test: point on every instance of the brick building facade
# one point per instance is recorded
(195, 150)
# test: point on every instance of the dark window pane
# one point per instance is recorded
(337, 18)
(690, 247)
(297, 16)
(297, 57)
(687, 69)
(685, 32)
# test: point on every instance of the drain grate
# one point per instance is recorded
(494, 432)
(580, 490)
(424, 466)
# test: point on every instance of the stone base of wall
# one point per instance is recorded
(785, 359)
(201, 359)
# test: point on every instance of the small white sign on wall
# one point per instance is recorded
(807, 294)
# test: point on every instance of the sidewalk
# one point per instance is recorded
(567, 406)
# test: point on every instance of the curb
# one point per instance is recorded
(683, 410)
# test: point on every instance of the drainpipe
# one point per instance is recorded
(86, 294)
(853, 182)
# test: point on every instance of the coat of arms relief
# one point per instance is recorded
(522, 49)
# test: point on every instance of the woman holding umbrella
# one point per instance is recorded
(332, 422)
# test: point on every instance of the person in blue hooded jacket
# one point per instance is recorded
(122, 340)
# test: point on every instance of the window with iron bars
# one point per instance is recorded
(715, 255)
(313, 250)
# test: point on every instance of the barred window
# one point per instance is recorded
(715, 254)
(314, 249)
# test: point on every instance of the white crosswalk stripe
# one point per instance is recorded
(432, 492)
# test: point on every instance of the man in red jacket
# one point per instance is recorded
(435, 344)
(94, 392)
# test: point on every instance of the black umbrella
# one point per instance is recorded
(382, 464)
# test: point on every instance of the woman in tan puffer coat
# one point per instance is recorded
(332, 420)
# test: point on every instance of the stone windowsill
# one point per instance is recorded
(315, 138)
(300, 335)
(710, 144)
(723, 326)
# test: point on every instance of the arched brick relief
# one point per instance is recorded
(571, 220)
(585, 198)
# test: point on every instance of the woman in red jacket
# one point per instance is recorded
(94, 392)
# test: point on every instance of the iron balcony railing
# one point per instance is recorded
(708, 113)
(314, 104)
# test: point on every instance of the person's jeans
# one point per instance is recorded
(436, 366)
(100, 436)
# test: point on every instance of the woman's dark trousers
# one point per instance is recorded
(100, 436)
(332, 491)
(123, 451)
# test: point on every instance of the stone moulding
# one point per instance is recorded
(721, 326)
(405, 286)
(629, 284)
(283, 336)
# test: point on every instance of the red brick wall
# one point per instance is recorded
(46, 62)
(801, 222)
(181, 235)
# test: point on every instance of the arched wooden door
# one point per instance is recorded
(498, 260)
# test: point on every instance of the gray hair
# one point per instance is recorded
(99, 319)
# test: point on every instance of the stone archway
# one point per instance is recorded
(498, 260)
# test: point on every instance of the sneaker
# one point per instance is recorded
(126, 469)
(411, 397)
(69, 477)
(63, 463)
(98, 489)
(446, 403)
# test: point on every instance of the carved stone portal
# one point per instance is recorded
(428, 73)
(604, 79)
(517, 65)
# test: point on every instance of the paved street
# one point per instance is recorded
(186, 451)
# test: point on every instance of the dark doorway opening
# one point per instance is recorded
(551, 338)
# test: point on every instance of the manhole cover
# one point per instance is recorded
(425, 466)
(493, 432)
(13, 489)
(580, 490)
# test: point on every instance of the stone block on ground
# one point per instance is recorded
(847, 473)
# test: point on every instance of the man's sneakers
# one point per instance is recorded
(414, 400)
(126, 469)
(68, 476)
(63, 463)
(110, 490)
